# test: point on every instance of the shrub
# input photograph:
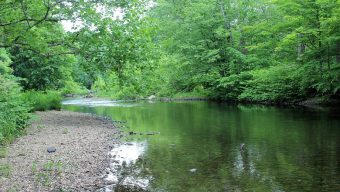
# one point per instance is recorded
(71, 87)
(128, 92)
(274, 84)
(42, 101)
(14, 114)
(230, 87)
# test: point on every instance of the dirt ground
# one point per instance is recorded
(82, 143)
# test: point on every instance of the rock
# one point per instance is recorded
(193, 170)
(152, 133)
(152, 97)
(242, 146)
(89, 95)
(165, 99)
(51, 149)
(69, 95)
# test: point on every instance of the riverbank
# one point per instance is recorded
(82, 142)
(305, 102)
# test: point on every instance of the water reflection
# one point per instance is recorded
(127, 168)
(286, 149)
(93, 102)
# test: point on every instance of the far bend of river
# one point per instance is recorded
(198, 148)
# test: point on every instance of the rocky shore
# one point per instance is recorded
(81, 142)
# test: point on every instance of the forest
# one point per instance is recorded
(266, 51)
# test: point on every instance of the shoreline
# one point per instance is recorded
(82, 143)
(309, 103)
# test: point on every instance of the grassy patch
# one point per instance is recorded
(40, 127)
(65, 131)
(3, 152)
(5, 170)
(12, 189)
(42, 101)
(47, 172)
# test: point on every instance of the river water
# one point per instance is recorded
(197, 146)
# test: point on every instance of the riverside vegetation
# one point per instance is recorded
(236, 50)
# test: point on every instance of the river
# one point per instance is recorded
(206, 146)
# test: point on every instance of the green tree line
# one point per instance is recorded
(252, 50)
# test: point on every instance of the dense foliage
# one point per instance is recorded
(42, 101)
(249, 50)
(14, 111)
(253, 50)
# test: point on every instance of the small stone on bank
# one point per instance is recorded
(51, 149)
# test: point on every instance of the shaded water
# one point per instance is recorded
(198, 148)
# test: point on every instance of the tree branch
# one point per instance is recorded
(25, 14)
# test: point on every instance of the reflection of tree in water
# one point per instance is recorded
(286, 149)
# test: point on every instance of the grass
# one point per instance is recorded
(65, 131)
(48, 172)
(5, 170)
(13, 120)
(40, 127)
(12, 189)
(42, 101)
(3, 152)
(34, 168)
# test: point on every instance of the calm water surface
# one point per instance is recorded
(198, 148)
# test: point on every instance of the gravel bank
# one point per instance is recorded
(82, 143)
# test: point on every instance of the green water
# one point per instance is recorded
(286, 149)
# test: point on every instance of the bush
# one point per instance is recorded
(197, 92)
(230, 87)
(14, 114)
(71, 87)
(42, 101)
(127, 92)
(274, 84)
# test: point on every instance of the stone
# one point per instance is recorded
(51, 149)
(152, 97)
(242, 147)
(152, 133)
(132, 133)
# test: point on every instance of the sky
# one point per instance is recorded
(73, 26)
(118, 14)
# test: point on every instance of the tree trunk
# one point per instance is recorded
(227, 25)
(320, 52)
(337, 52)
(242, 45)
(301, 47)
